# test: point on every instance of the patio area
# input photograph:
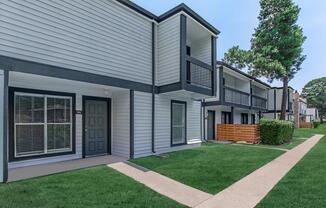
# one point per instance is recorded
(16, 174)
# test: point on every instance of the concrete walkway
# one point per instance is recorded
(177, 191)
(250, 190)
(16, 174)
(246, 193)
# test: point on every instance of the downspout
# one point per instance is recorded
(153, 87)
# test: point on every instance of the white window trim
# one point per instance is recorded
(45, 123)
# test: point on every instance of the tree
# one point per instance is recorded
(276, 46)
(315, 92)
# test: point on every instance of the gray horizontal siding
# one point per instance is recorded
(168, 49)
(121, 124)
(101, 37)
(143, 124)
(201, 50)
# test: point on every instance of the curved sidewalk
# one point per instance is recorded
(245, 193)
(250, 190)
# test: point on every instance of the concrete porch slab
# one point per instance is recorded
(16, 174)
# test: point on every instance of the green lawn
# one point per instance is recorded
(294, 142)
(94, 187)
(305, 184)
(212, 167)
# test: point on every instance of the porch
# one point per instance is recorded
(16, 174)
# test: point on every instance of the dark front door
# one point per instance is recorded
(211, 125)
(96, 127)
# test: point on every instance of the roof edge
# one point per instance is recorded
(243, 73)
(181, 7)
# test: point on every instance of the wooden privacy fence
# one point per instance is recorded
(306, 125)
(238, 132)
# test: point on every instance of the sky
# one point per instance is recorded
(236, 19)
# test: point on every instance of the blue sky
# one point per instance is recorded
(236, 19)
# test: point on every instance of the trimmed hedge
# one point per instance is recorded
(315, 124)
(275, 132)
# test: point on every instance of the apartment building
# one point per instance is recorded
(240, 99)
(275, 102)
(87, 78)
(312, 114)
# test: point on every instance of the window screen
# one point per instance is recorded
(178, 123)
(43, 124)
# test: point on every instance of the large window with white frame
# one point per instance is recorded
(42, 124)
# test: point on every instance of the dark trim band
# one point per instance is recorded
(132, 122)
(12, 91)
(17, 65)
(153, 87)
(181, 7)
(183, 50)
(5, 125)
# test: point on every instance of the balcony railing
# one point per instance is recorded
(258, 102)
(199, 73)
(236, 96)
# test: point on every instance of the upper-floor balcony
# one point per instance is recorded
(187, 63)
(240, 89)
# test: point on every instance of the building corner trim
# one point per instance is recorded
(131, 128)
(5, 126)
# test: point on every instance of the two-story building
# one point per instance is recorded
(275, 102)
(240, 99)
(88, 78)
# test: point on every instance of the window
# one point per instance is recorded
(178, 122)
(226, 118)
(42, 124)
(244, 118)
(253, 119)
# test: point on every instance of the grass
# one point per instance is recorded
(294, 142)
(305, 184)
(212, 167)
(94, 187)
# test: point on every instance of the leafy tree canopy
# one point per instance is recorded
(315, 92)
(276, 46)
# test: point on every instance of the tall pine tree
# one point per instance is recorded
(276, 46)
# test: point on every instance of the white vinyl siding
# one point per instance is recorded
(168, 49)
(193, 120)
(121, 124)
(100, 37)
(143, 124)
(271, 99)
(201, 50)
(1, 124)
(163, 122)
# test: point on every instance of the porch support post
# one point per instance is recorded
(4, 76)
(131, 128)
(259, 115)
(274, 103)
(204, 120)
(153, 87)
(183, 50)
(232, 115)
(213, 54)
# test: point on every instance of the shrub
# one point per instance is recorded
(315, 124)
(275, 132)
